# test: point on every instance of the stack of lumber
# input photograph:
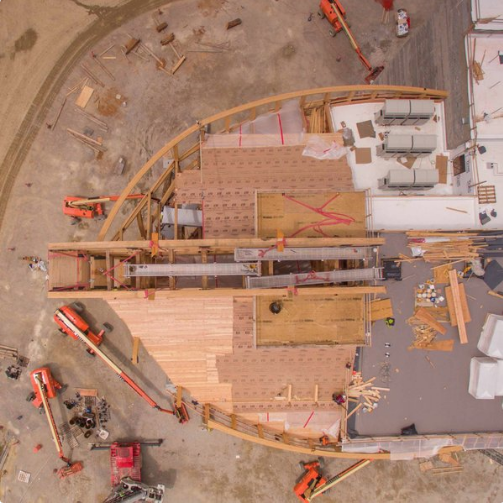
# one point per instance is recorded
(458, 306)
(425, 327)
(363, 393)
(447, 458)
(317, 120)
(456, 247)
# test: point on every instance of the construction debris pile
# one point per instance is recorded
(90, 413)
(455, 246)
(437, 246)
(363, 393)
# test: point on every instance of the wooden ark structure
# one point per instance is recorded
(248, 270)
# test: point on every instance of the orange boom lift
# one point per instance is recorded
(45, 387)
(336, 15)
(60, 317)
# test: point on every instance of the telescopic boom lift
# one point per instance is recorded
(180, 412)
(45, 387)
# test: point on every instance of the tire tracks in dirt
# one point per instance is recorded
(108, 20)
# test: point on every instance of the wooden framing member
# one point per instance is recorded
(139, 207)
(204, 260)
(136, 349)
(108, 265)
(195, 293)
(213, 246)
(206, 417)
(294, 448)
(141, 227)
(149, 216)
(179, 396)
(458, 309)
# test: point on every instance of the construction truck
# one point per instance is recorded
(45, 387)
(130, 490)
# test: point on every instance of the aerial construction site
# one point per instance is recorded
(251, 251)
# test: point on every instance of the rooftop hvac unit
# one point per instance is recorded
(398, 145)
(409, 179)
(405, 112)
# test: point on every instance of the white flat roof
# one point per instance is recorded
(487, 14)
(487, 94)
(366, 176)
(425, 213)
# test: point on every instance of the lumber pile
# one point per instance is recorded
(455, 247)
(478, 73)
(363, 393)
(449, 459)
(316, 120)
(425, 326)
(458, 306)
(95, 145)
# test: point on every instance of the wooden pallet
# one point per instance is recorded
(486, 194)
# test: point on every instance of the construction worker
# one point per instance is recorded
(339, 398)
(390, 322)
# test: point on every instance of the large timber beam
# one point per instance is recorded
(219, 246)
(279, 293)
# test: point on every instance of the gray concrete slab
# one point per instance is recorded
(434, 397)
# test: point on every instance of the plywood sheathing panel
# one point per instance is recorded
(296, 423)
(230, 177)
(311, 320)
(206, 346)
(381, 309)
(69, 270)
(243, 324)
(184, 336)
(262, 376)
(291, 212)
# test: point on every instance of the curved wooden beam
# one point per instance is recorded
(214, 425)
(276, 100)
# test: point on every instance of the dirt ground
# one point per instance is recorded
(276, 49)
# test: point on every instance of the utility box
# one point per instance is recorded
(407, 145)
(491, 337)
(405, 112)
(483, 378)
(409, 179)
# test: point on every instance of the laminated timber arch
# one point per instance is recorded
(148, 210)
